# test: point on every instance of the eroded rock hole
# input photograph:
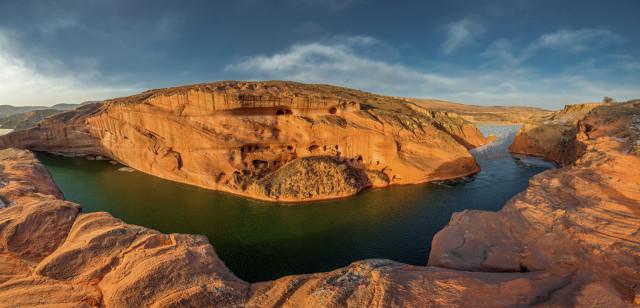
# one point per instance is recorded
(259, 164)
(220, 177)
(333, 110)
(283, 111)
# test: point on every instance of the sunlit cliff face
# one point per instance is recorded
(229, 135)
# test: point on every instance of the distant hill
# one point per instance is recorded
(22, 117)
(26, 119)
(65, 107)
(8, 110)
(483, 114)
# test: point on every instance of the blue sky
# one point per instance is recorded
(518, 52)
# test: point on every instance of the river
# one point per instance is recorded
(262, 241)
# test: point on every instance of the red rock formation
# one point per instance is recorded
(570, 239)
(229, 135)
(51, 255)
(582, 220)
(552, 136)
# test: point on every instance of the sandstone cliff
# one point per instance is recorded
(51, 255)
(230, 135)
(552, 136)
(582, 220)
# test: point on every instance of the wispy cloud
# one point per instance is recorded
(345, 62)
(460, 34)
(23, 83)
(503, 52)
(58, 23)
(576, 40)
(337, 63)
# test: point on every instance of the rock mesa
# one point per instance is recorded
(241, 137)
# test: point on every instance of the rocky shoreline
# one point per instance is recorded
(570, 239)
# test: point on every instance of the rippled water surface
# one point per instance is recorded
(261, 241)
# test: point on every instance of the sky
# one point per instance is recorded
(544, 53)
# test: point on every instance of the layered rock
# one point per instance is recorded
(583, 219)
(229, 135)
(52, 255)
(552, 136)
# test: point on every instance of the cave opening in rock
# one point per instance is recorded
(259, 164)
(333, 110)
(283, 111)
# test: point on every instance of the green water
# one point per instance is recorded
(262, 241)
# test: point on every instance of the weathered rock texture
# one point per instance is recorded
(229, 135)
(51, 255)
(582, 220)
(552, 136)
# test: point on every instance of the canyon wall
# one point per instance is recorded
(53, 255)
(570, 240)
(582, 220)
(230, 135)
(552, 136)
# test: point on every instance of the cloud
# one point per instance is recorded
(576, 40)
(460, 34)
(338, 63)
(502, 52)
(25, 82)
(58, 23)
(344, 62)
